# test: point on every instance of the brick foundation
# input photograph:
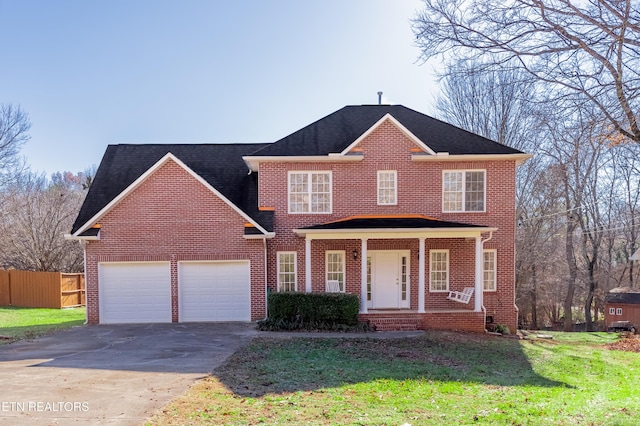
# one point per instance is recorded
(408, 321)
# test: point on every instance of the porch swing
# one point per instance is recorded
(461, 296)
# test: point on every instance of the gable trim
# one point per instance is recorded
(396, 123)
(445, 156)
(143, 177)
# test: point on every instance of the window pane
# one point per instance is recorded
(452, 191)
(474, 191)
(463, 191)
(286, 271)
(489, 270)
(387, 187)
(335, 268)
(368, 278)
(310, 192)
(439, 271)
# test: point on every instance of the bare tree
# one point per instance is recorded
(14, 128)
(581, 52)
(623, 243)
(35, 215)
(498, 104)
(493, 103)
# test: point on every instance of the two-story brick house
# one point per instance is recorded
(375, 200)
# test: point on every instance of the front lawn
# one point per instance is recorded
(27, 323)
(441, 378)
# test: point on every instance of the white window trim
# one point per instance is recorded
(495, 270)
(431, 252)
(464, 177)
(618, 311)
(395, 187)
(612, 311)
(344, 270)
(309, 173)
(295, 269)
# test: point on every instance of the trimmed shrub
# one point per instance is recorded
(319, 311)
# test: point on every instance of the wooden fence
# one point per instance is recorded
(41, 289)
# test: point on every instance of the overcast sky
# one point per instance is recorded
(93, 73)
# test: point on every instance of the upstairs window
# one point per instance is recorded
(309, 192)
(387, 187)
(463, 191)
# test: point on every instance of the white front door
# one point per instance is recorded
(389, 279)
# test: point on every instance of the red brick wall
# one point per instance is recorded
(419, 192)
(630, 312)
(173, 217)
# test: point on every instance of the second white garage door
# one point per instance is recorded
(214, 291)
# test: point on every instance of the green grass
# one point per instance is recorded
(441, 378)
(28, 323)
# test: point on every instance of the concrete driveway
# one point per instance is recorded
(109, 374)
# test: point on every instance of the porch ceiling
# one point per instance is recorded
(393, 226)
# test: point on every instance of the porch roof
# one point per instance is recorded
(392, 226)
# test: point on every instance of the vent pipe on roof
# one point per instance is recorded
(379, 98)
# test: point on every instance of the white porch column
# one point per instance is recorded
(479, 291)
(307, 265)
(421, 281)
(363, 272)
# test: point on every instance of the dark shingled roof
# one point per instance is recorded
(390, 223)
(221, 165)
(335, 132)
(628, 297)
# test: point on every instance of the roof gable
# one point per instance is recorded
(168, 157)
(220, 167)
(388, 117)
(338, 131)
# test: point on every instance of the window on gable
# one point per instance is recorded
(387, 187)
(489, 270)
(463, 191)
(309, 192)
(439, 273)
(335, 268)
(287, 271)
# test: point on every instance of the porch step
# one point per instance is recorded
(395, 323)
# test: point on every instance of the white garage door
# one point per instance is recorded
(214, 291)
(133, 292)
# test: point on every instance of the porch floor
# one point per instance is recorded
(415, 311)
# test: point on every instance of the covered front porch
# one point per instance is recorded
(390, 267)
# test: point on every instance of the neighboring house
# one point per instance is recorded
(622, 304)
(635, 256)
(379, 201)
